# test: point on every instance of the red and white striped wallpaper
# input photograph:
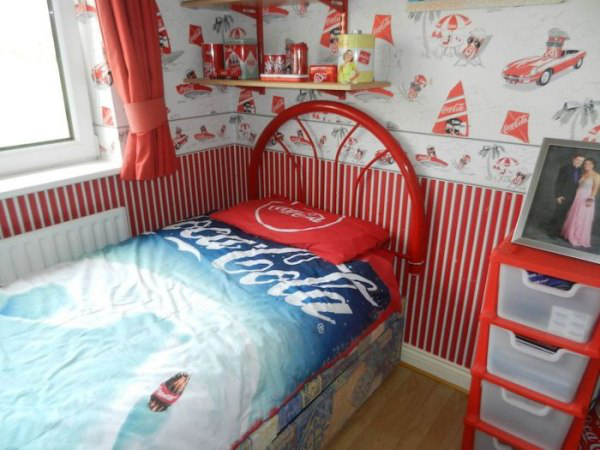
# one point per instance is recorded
(208, 180)
(465, 223)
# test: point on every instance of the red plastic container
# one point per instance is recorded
(212, 60)
(323, 73)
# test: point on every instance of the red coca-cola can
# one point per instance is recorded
(323, 73)
(299, 58)
(212, 60)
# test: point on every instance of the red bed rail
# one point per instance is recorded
(417, 236)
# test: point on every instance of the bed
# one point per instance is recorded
(203, 335)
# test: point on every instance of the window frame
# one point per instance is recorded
(83, 145)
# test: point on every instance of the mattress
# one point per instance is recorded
(189, 337)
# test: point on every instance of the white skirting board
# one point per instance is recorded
(436, 366)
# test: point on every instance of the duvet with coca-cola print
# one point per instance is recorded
(184, 338)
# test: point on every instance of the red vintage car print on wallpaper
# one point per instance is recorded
(192, 90)
(180, 138)
(540, 69)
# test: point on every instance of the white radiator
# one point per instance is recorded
(31, 252)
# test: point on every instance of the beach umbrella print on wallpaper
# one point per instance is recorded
(593, 135)
(449, 24)
(237, 33)
(504, 164)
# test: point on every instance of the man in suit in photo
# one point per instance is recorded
(564, 192)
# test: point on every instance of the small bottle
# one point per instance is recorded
(147, 416)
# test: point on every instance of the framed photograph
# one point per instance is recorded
(560, 213)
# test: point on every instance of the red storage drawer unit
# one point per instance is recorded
(537, 357)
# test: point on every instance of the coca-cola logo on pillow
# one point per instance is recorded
(334, 238)
(292, 217)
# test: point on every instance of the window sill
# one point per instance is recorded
(15, 185)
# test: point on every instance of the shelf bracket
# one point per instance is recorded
(339, 94)
(260, 90)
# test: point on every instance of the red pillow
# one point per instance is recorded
(334, 238)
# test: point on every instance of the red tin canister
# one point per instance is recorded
(323, 73)
(212, 60)
(299, 58)
(241, 59)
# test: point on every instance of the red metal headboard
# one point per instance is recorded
(417, 237)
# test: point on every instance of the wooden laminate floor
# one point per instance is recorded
(408, 411)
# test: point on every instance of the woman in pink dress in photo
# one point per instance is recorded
(577, 228)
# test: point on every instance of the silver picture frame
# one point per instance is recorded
(543, 220)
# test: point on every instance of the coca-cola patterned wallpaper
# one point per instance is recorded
(198, 115)
(479, 87)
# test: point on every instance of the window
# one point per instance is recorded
(45, 118)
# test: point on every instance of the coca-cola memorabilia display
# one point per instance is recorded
(212, 60)
(323, 73)
(275, 64)
(241, 59)
(560, 213)
(355, 57)
(299, 58)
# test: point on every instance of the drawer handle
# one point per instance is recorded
(547, 289)
(499, 445)
(539, 354)
(540, 411)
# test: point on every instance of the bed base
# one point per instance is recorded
(322, 408)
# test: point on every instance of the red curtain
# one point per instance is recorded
(130, 32)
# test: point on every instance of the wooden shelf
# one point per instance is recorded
(196, 4)
(290, 84)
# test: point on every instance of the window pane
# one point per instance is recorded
(32, 102)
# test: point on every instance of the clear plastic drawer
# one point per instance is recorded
(548, 370)
(534, 422)
(568, 313)
(484, 441)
